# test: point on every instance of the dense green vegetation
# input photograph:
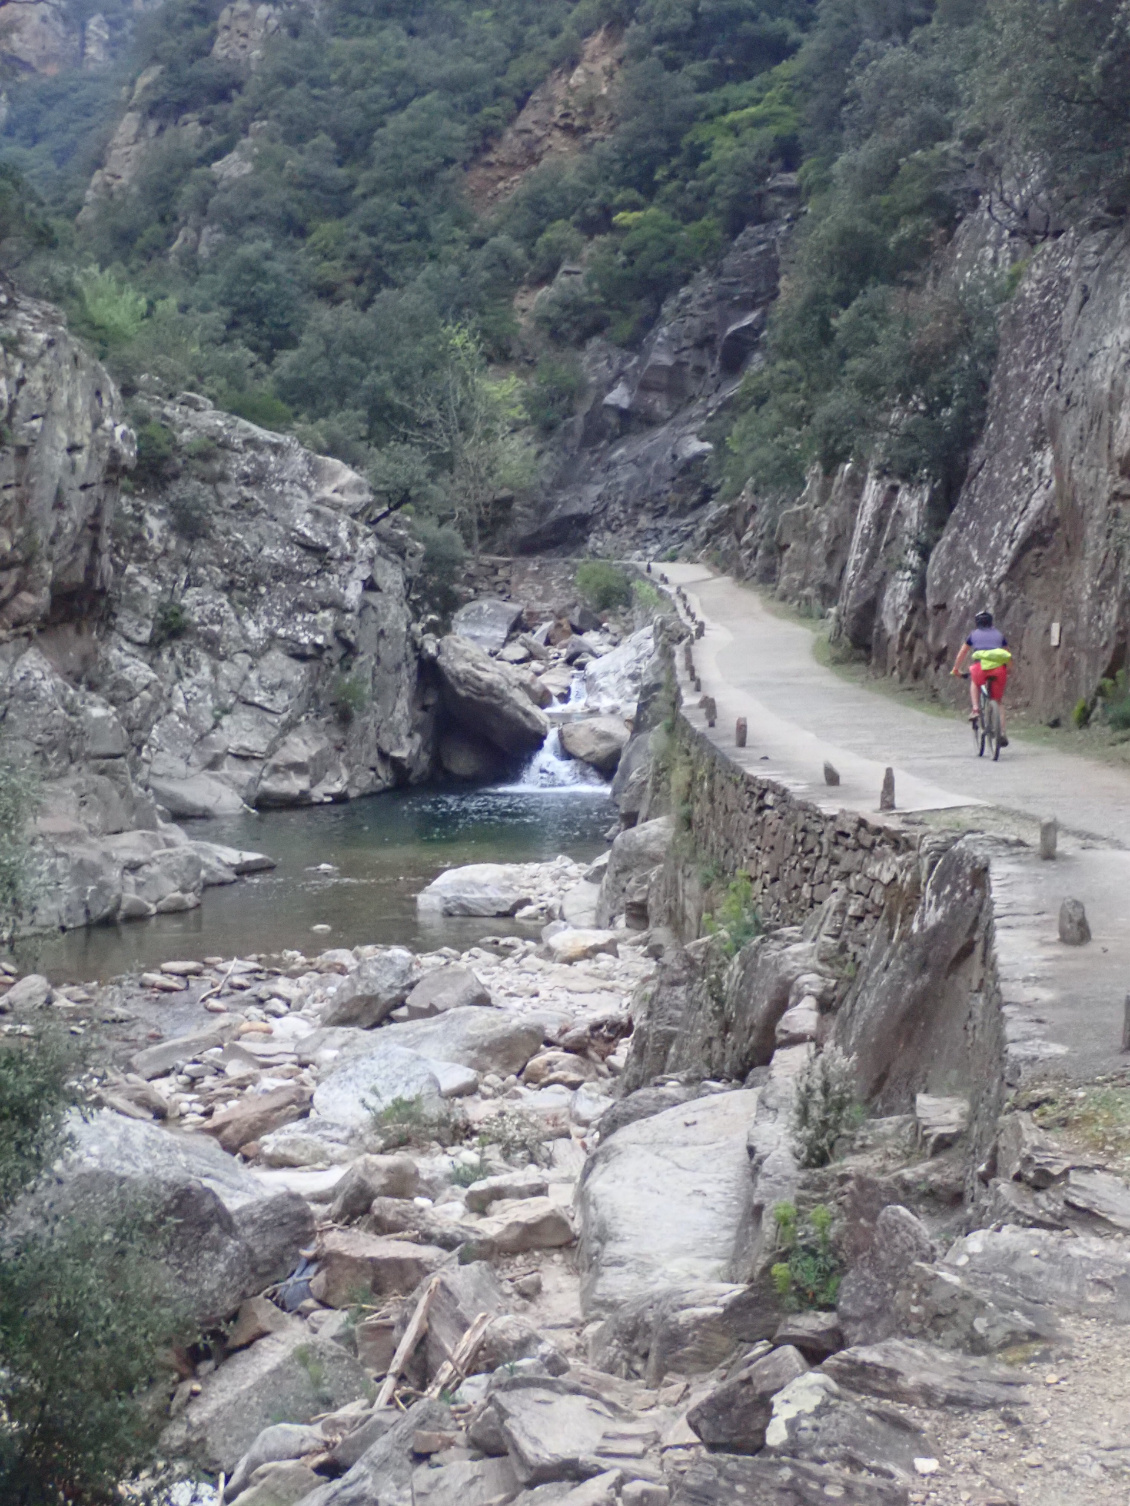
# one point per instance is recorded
(299, 244)
(85, 1309)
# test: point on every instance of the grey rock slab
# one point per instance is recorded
(487, 622)
(279, 1484)
(155, 1061)
(282, 1440)
(195, 796)
(376, 987)
(31, 992)
(666, 1202)
(486, 1040)
(734, 1416)
(353, 1264)
(293, 1374)
(383, 1474)
(1103, 1196)
(530, 1181)
(812, 1418)
(578, 905)
(815, 1334)
(486, 1482)
(1072, 1272)
(537, 1223)
(865, 1302)
(451, 987)
(634, 854)
(462, 1293)
(941, 1121)
(597, 740)
(923, 1376)
(476, 889)
(557, 1435)
(724, 1480)
(934, 1303)
(612, 682)
(362, 1085)
(1074, 928)
(371, 1177)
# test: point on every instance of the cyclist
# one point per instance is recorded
(987, 647)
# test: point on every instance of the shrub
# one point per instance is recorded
(19, 797)
(86, 1312)
(349, 696)
(559, 242)
(412, 1121)
(552, 395)
(1115, 696)
(603, 585)
(190, 510)
(826, 1106)
(518, 1136)
(441, 564)
(114, 311)
(156, 446)
(170, 621)
(809, 1276)
(258, 406)
(737, 917)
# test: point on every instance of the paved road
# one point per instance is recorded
(761, 666)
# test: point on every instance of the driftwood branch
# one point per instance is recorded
(412, 1336)
(455, 1369)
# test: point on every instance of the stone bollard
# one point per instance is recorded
(699, 628)
(832, 774)
(1126, 1024)
(741, 731)
(697, 683)
(1073, 927)
(709, 707)
(887, 794)
(1049, 835)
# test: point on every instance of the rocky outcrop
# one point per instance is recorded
(260, 647)
(486, 699)
(65, 450)
(634, 464)
(1037, 531)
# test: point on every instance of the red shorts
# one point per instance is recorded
(995, 678)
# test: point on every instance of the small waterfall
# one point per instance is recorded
(551, 768)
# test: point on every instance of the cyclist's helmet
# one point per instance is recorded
(984, 619)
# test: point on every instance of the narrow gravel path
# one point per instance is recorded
(760, 665)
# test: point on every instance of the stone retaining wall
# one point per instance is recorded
(797, 855)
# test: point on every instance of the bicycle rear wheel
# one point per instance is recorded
(994, 736)
(981, 730)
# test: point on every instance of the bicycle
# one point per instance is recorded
(987, 728)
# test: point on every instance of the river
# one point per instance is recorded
(381, 852)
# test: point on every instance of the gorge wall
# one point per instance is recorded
(227, 631)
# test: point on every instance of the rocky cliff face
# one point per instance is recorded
(259, 645)
(227, 632)
(632, 469)
(1039, 531)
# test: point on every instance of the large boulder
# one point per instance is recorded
(666, 1201)
(487, 622)
(1068, 1272)
(635, 853)
(451, 987)
(476, 889)
(612, 682)
(292, 1375)
(365, 1085)
(924, 1376)
(486, 1040)
(596, 740)
(726, 1478)
(813, 1419)
(384, 1471)
(228, 1235)
(486, 698)
(735, 1415)
(373, 990)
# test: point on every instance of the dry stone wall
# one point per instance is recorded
(798, 856)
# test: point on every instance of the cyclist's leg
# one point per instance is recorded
(976, 680)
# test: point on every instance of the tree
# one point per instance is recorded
(470, 425)
(19, 796)
(85, 1305)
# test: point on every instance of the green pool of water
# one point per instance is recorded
(383, 851)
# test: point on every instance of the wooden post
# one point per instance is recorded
(1049, 835)
(741, 731)
(887, 794)
(454, 1369)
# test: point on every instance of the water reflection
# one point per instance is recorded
(355, 868)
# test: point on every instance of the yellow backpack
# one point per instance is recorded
(992, 658)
